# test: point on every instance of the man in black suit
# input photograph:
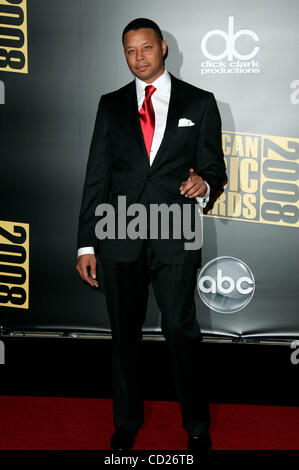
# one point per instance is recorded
(156, 140)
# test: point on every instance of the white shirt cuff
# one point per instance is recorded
(203, 200)
(86, 250)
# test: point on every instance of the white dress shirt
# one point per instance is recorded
(160, 99)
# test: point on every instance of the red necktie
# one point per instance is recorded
(147, 118)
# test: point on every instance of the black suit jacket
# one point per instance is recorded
(118, 164)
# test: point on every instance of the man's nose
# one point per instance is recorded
(139, 55)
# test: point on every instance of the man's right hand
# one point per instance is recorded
(85, 261)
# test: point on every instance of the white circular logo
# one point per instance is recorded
(226, 284)
(230, 39)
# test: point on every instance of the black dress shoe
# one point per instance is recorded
(123, 439)
(199, 443)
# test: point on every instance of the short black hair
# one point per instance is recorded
(142, 23)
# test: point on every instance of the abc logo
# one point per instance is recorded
(226, 284)
(230, 39)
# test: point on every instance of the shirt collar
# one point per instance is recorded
(162, 83)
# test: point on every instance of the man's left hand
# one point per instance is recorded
(194, 186)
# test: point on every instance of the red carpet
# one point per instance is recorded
(47, 423)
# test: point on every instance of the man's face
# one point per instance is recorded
(144, 53)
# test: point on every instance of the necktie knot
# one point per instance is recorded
(149, 90)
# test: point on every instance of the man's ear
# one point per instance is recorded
(164, 47)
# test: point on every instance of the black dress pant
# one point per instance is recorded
(126, 287)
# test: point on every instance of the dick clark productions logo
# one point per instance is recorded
(230, 59)
(226, 284)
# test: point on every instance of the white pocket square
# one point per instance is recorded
(185, 122)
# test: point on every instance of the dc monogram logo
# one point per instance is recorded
(230, 39)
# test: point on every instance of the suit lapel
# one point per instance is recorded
(131, 115)
(175, 110)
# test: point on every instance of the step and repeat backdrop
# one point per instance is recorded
(57, 57)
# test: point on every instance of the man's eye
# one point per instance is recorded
(148, 47)
(129, 52)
